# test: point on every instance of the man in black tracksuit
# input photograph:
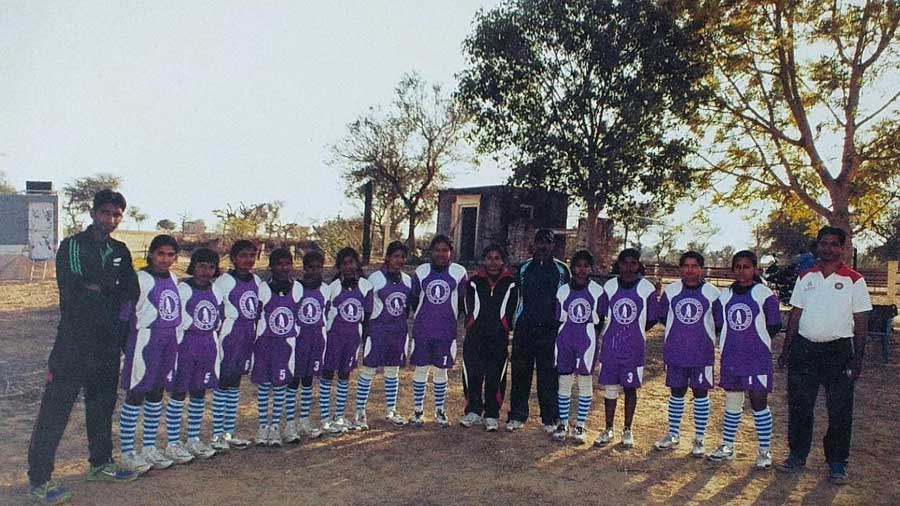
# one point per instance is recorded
(96, 282)
(534, 337)
(490, 303)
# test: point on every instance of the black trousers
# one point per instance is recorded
(484, 373)
(534, 349)
(71, 369)
(810, 365)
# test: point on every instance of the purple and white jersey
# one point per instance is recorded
(348, 309)
(438, 295)
(691, 318)
(240, 300)
(745, 341)
(389, 303)
(201, 310)
(577, 310)
(312, 310)
(279, 312)
(627, 312)
(159, 304)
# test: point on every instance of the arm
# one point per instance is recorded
(793, 327)
(469, 305)
(860, 332)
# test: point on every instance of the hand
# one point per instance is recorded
(854, 369)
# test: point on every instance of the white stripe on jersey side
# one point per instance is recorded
(368, 348)
(144, 311)
(505, 302)
(292, 358)
(596, 292)
(222, 287)
(477, 302)
(724, 298)
(610, 288)
(645, 289)
(422, 272)
(588, 358)
(671, 291)
(138, 366)
(378, 282)
(709, 322)
(562, 293)
(760, 293)
(458, 272)
(264, 296)
(334, 289)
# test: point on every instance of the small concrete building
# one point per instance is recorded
(477, 217)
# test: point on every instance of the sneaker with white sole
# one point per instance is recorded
(418, 418)
(291, 435)
(219, 444)
(199, 449)
(440, 418)
(342, 423)
(331, 427)
(262, 435)
(361, 422)
(135, 462)
(491, 424)
(111, 472)
(561, 432)
(275, 435)
(605, 437)
(668, 442)
(177, 453)
(156, 458)
(470, 419)
(763, 460)
(394, 418)
(514, 425)
(306, 429)
(237, 442)
(628, 438)
(723, 452)
(550, 428)
(698, 451)
(579, 434)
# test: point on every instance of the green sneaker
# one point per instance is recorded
(111, 472)
(50, 492)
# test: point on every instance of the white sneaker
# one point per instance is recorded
(394, 418)
(361, 422)
(491, 424)
(627, 438)
(135, 462)
(236, 442)
(698, 451)
(418, 418)
(332, 427)
(668, 442)
(561, 432)
(177, 453)
(262, 435)
(291, 435)
(514, 425)
(579, 434)
(723, 452)
(156, 459)
(549, 428)
(274, 438)
(470, 419)
(219, 444)
(440, 418)
(764, 460)
(307, 429)
(199, 449)
(342, 423)
(605, 437)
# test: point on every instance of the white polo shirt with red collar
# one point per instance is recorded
(828, 304)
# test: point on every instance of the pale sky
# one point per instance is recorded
(198, 104)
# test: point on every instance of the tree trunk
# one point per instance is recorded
(840, 218)
(412, 213)
(592, 237)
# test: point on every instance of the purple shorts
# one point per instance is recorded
(149, 359)
(310, 354)
(575, 355)
(385, 349)
(700, 377)
(237, 348)
(431, 351)
(751, 382)
(195, 368)
(340, 353)
(612, 373)
(273, 360)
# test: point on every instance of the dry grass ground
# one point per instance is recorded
(407, 466)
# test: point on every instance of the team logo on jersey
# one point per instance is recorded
(624, 311)
(839, 286)
(248, 303)
(579, 311)
(205, 315)
(351, 310)
(169, 305)
(688, 310)
(310, 311)
(740, 317)
(438, 291)
(395, 303)
(281, 321)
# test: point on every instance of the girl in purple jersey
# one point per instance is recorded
(150, 356)
(197, 365)
(751, 317)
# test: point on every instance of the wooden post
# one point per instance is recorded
(367, 223)
(893, 297)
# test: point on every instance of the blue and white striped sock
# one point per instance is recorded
(262, 403)
(152, 414)
(440, 395)
(128, 417)
(391, 386)
(219, 407)
(363, 385)
(290, 404)
(701, 417)
(232, 401)
(584, 408)
(730, 426)
(306, 400)
(676, 411)
(324, 398)
(278, 394)
(174, 409)
(563, 402)
(196, 407)
(763, 422)
(340, 398)
(419, 395)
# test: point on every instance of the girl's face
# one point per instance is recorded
(691, 272)
(312, 272)
(581, 271)
(493, 263)
(282, 269)
(628, 268)
(396, 261)
(441, 253)
(348, 268)
(162, 258)
(743, 270)
(244, 260)
(204, 272)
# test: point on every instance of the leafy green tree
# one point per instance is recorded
(585, 97)
(338, 232)
(78, 197)
(787, 234)
(138, 216)
(166, 225)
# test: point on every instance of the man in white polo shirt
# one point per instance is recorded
(824, 345)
